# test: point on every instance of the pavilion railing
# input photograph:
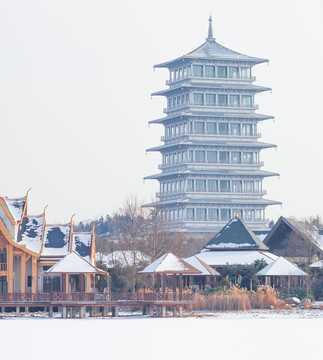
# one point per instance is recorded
(92, 298)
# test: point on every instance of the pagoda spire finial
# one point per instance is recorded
(210, 32)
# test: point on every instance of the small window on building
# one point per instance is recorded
(200, 185)
(190, 185)
(247, 157)
(201, 214)
(210, 99)
(234, 100)
(213, 214)
(236, 186)
(212, 185)
(29, 281)
(199, 127)
(236, 157)
(211, 156)
(209, 71)
(224, 157)
(247, 129)
(234, 72)
(198, 70)
(246, 100)
(199, 156)
(190, 214)
(198, 99)
(223, 129)
(222, 71)
(211, 128)
(224, 185)
(222, 100)
(235, 129)
(225, 214)
(245, 73)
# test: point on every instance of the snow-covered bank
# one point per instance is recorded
(170, 338)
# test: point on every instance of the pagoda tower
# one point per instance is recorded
(211, 168)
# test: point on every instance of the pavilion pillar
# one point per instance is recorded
(81, 284)
(174, 286)
(10, 268)
(158, 282)
(34, 275)
(23, 273)
(163, 311)
(180, 311)
(50, 311)
(87, 283)
(64, 312)
(180, 286)
(65, 283)
(164, 283)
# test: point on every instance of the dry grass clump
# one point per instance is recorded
(236, 298)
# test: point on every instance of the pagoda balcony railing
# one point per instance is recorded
(208, 195)
(222, 137)
(3, 266)
(214, 108)
(211, 79)
(183, 165)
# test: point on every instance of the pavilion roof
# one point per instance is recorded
(73, 263)
(235, 235)
(170, 264)
(16, 207)
(281, 267)
(199, 264)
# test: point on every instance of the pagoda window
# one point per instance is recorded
(191, 156)
(166, 159)
(190, 214)
(249, 215)
(199, 127)
(201, 214)
(184, 155)
(210, 99)
(212, 185)
(223, 129)
(211, 128)
(191, 127)
(187, 98)
(185, 72)
(180, 213)
(170, 102)
(176, 74)
(225, 214)
(222, 100)
(182, 184)
(185, 128)
(258, 214)
(248, 186)
(174, 101)
(213, 214)
(234, 100)
(168, 133)
(200, 156)
(236, 157)
(234, 72)
(257, 186)
(247, 157)
(246, 100)
(198, 70)
(198, 99)
(224, 185)
(182, 99)
(180, 129)
(247, 129)
(211, 156)
(178, 100)
(222, 71)
(236, 186)
(235, 129)
(180, 71)
(175, 158)
(200, 185)
(172, 130)
(176, 130)
(209, 71)
(224, 157)
(170, 158)
(171, 75)
(180, 157)
(245, 73)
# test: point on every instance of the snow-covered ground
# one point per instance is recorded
(291, 334)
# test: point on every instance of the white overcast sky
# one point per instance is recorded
(75, 85)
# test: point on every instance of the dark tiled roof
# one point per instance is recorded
(30, 232)
(235, 235)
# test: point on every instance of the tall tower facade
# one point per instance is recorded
(211, 168)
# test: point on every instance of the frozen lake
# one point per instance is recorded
(231, 337)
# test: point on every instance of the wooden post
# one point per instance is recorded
(64, 312)
(63, 282)
(158, 282)
(23, 273)
(164, 283)
(34, 275)
(88, 283)
(81, 284)
(10, 268)
(180, 286)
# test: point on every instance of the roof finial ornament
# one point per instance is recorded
(210, 33)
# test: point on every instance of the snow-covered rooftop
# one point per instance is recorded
(30, 232)
(201, 266)
(170, 264)
(81, 243)
(73, 263)
(235, 257)
(281, 267)
(317, 264)
(16, 207)
(56, 240)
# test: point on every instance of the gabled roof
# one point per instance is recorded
(56, 239)
(31, 231)
(281, 267)
(201, 266)
(82, 244)
(73, 263)
(170, 264)
(16, 207)
(297, 226)
(235, 235)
